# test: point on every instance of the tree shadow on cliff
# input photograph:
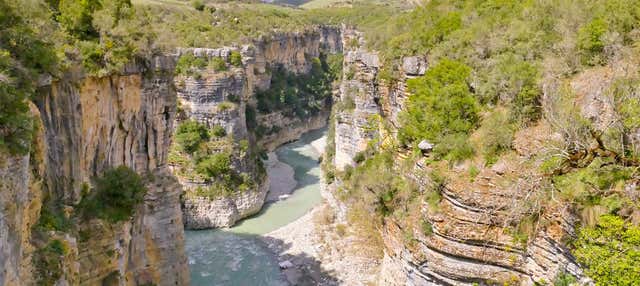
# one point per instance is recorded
(304, 269)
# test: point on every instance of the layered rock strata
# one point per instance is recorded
(90, 125)
(222, 98)
(472, 240)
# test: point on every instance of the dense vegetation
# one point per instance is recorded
(115, 196)
(207, 154)
(301, 95)
(498, 67)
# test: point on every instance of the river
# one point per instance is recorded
(237, 256)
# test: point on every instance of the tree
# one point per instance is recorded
(440, 104)
(116, 194)
(610, 251)
(76, 17)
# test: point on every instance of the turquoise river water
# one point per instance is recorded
(237, 256)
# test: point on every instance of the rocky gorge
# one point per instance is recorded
(450, 146)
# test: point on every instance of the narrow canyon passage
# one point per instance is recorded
(238, 256)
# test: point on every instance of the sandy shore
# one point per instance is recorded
(281, 178)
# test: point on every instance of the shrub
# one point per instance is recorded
(218, 131)
(564, 279)
(440, 104)
(495, 135)
(591, 42)
(23, 56)
(189, 65)
(610, 251)
(454, 148)
(217, 64)
(190, 135)
(198, 5)
(235, 58)
(217, 165)
(52, 219)
(116, 194)
(359, 157)
(76, 17)
(48, 262)
(226, 105)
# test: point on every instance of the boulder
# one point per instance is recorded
(425, 146)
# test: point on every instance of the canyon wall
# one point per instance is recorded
(88, 126)
(470, 240)
(226, 97)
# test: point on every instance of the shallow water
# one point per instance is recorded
(237, 256)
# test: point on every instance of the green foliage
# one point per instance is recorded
(610, 251)
(299, 95)
(198, 5)
(190, 65)
(564, 279)
(47, 262)
(76, 18)
(190, 134)
(117, 192)
(52, 219)
(589, 186)
(591, 42)
(454, 148)
(427, 228)
(374, 183)
(23, 56)
(495, 135)
(216, 165)
(440, 106)
(218, 131)
(235, 59)
(218, 64)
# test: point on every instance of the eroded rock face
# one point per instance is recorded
(470, 241)
(222, 98)
(90, 125)
(359, 95)
(203, 213)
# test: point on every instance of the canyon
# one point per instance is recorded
(87, 125)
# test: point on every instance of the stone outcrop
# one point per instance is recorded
(471, 241)
(88, 126)
(223, 97)
(20, 202)
(203, 212)
(359, 96)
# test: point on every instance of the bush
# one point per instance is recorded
(495, 135)
(454, 148)
(218, 131)
(591, 42)
(117, 192)
(198, 5)
(217, 64)
(190, 135)
(610, 251)
(48, 262)
(440, 104)
(23, 56)
(215, 166)
(189, 65)
(235, 58)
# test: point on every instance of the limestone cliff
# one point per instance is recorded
(226, 96)
(90, 125)
(470, 237)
